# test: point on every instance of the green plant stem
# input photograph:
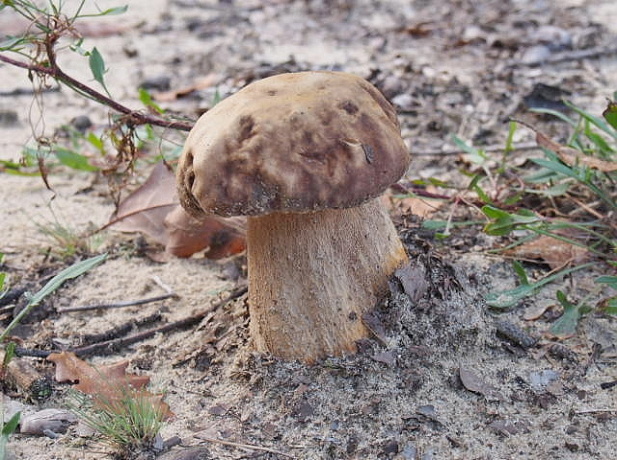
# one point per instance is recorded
(135, 117)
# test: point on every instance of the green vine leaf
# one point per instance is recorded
(97, 67)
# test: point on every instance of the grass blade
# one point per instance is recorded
(68, 273)
(510, 298)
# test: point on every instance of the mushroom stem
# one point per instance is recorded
(312, 277)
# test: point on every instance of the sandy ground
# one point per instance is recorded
(401, 399)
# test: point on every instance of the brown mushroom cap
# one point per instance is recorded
(293, 143)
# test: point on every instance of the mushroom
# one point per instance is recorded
(305, 156)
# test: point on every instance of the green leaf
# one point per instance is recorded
(68, 273)
(97, 67)
(610, 281)
(556, 190)
(217, 97)
(556, 114)
(511, 297)
(96, 142)
(599, 142)
(114, 11)
(465, 147)
(610, 306)
(610, 114)
(74, 160)
(108, 12)
(504, 222)
(494, 213)
(434, 224)
(13, 43)
(431, 181)
(565, 325)
(482, 194)
(510, 139)
(9, 353)
(520, 272)
(597, 121)
(556, 166)
(146, 99)
(8, 429)
(10, 426)
(543, 176)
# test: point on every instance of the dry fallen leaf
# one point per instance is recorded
(107, 384)
(420, 206)
(153, 209)
(145, 209)
(556, 253)
(473, 382)
(413, 280)
(187, 235)
(509, 427)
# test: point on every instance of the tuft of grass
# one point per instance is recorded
(67, 242)
(130, 424)
(569, 194)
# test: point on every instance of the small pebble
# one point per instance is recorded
(390, 447)
(8, 118)
(536, 55)
(158, 83)
(554, 37)
(81, 123)
(539, 380)
(190, 453)
(403, 101)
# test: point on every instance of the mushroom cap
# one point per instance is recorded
(294, 142)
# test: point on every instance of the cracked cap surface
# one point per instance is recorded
(294, 142)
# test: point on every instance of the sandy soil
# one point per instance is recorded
(451, 68)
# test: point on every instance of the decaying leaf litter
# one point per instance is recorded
(440, 379)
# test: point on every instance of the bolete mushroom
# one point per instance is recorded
(305, 156)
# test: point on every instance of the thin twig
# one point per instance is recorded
(576, 55)
(20, 351)
(116, 344)
(121, 330)
(112, 345)
(488, 148)
(169, 293)
(242, 445)
(131, 214)
(595, 411)
(162, 285)
(108, 306)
